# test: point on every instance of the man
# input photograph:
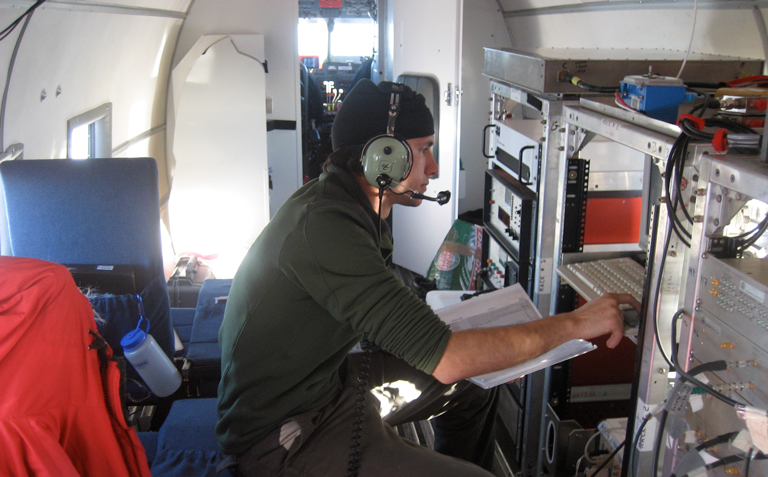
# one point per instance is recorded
(292, 400)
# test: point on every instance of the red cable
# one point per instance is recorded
(748, 79)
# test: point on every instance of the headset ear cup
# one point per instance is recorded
(410, 160)
(386, 155)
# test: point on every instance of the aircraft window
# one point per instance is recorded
(350, 38)
(326, 74)
(90, 134)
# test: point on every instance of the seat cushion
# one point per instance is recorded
(186, 443)
(204, 349)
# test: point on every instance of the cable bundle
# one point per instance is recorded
(9, 29)
(745, 139)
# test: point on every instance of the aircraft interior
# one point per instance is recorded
(584, 147)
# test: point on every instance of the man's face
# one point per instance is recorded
(424, 167)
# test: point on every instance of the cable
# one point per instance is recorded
(586, 447)
(719, 365)
(688, 376)
(693, 128)
(731, 459)
(676, 157)
(567, 77)
(659, 440)
(742, 137)
(357, 425)
(623, 104)
(749, 80)
(749, 461)
(690, 43)
(754, 235)
(11, 64)
(636, 438)
(609, 458)
(701, 84)
(381, 196)
(9, 29)
(692, 460)
(656, 302)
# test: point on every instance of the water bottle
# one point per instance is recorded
(146, 356)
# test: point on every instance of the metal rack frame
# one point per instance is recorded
(655, 140)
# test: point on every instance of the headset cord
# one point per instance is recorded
(381, 198)
(357, 425)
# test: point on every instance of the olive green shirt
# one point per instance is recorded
(312, 284)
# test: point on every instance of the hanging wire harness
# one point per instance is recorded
(728, 135)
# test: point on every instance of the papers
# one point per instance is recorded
(503, 307)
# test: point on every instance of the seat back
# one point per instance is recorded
(95, 211)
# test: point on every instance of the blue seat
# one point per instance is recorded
(186, 443)
(204, 350)
(99, 212)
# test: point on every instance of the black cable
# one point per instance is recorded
(679, 169)
(608, 459)
(731, 459)
(381, 196)
(708, 103)
(729, 124)
(635, 440)
(357, 425)
(659, 440)
(719, 365)
(569, 78)
(758, 232)
(688, 376)
(9, 29)
(698, 84)
(749, 461)
(721, 439)
(687, 126)
(676, 155)
(675, 167)
(715, 441)
(9, 75)
(749, 235)
(656, 299)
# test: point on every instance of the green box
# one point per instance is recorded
(459, 258)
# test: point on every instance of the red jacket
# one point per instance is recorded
(54, 418)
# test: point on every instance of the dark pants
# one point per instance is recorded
(318, 443)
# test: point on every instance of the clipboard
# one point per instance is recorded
(503, 307)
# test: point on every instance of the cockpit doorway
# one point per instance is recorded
(337, 47)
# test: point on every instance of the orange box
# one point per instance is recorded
(613, 220)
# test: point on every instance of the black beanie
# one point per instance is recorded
(365, 110)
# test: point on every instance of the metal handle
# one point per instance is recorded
(485, 134)
(520, 168)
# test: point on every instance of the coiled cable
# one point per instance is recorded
(357, 424)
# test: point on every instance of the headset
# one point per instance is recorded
(386, 158)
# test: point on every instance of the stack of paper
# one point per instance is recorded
(503, 307)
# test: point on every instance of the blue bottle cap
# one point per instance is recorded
(133, 339)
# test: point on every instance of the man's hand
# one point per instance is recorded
(482, 350)
(601, 316)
